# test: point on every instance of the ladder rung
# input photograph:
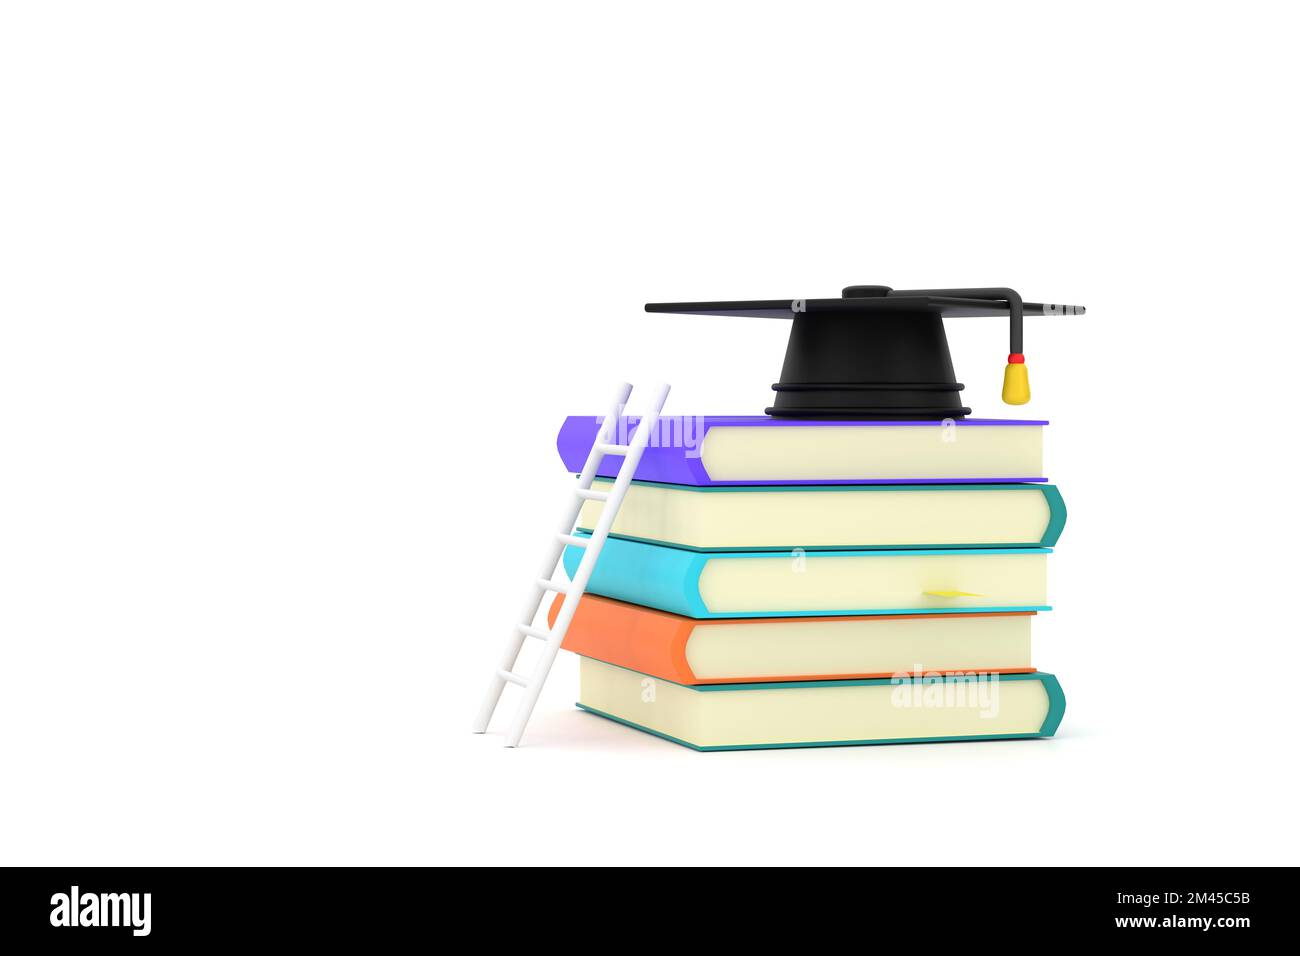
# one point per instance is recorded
(593, 495)
(513, 678)
(559, 587)
(607, 448)
(574, 541)
(535, 632)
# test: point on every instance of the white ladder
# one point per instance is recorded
(573, 591)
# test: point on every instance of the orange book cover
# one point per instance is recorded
(654, 642)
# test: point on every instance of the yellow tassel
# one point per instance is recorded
(1015, 384)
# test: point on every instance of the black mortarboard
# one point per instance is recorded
(880, 353)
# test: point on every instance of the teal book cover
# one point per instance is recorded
(829, 713)
(898, 517)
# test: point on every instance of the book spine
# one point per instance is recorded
(650, 575)
(1055, 704)
(637, 638)
(675, 465)
(1056, 522)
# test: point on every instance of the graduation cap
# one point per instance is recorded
(880, 353)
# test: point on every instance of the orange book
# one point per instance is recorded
(739, 650)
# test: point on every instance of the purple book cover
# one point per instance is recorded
(673, 455)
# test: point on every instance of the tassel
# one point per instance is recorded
(1015, 380)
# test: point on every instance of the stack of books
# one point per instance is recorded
(785, 583)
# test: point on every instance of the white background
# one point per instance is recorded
(294, 297)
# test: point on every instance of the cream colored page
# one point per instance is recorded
(746, 649)
(737, 453)
(882, 581)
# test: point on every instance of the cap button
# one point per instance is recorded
(866, 291)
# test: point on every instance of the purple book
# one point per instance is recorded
(724, 450)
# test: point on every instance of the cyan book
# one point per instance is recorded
(809, 583)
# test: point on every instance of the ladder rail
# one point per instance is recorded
(554, 549)
(578, 583)
(532, 685)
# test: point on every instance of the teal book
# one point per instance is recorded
(834, 713)
(799, 583)
(834, 517)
